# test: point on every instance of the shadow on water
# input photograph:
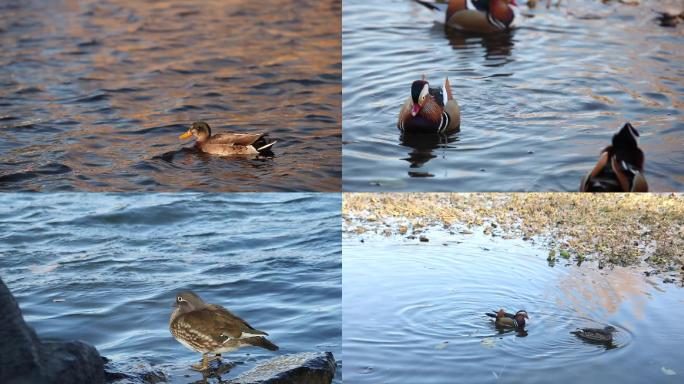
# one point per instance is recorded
(437, 329)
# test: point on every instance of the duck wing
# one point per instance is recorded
(244, 139)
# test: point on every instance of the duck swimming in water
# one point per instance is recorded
(620, 167)
(430, 110)
(228, 144)
(597, 335)
(481, 16)
(509, 320)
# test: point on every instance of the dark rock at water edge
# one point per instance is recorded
(300, 368)
(24, 358)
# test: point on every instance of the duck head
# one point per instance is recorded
(420, 90)
(199, 129)
(188, 301)
(520, 317)
(609, 329)
(626, 149)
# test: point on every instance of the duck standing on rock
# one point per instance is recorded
(481, 16)
(596, 335)
(620, 167)
(210, 328)
(228, 144)
(430, 110)
(508, 320)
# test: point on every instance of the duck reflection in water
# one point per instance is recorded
(214, 371)
(498, 46)
(422, 146)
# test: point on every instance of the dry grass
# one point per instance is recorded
(622, 229)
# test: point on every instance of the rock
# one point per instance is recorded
(25, 359)
(424, 239)
(300, 368)
(132, 371)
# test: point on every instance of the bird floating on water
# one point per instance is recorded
(598, 335)
(620, 167)
(509, 320)
(430, 110)
(482, 16)
(228, 144)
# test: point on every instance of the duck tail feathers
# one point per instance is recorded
(266, 147)
(428, 4)
(262, 342)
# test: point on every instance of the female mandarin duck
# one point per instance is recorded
(597, 335)
(430, 110)
(481, 16)
(228, 144)
(509, 320)
(620, 167)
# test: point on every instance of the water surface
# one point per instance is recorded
(93, 94)
(104, 268)
(538, 104)
(414, 313)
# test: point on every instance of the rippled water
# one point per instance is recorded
(93, 94)
(415, 313)
(538, 104)
(105, 268)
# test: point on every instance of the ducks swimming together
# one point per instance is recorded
(430, 110)
(508, 320)
(210, 328)
(481, 16)
(620, 167)
(228, 144)
(596, 335)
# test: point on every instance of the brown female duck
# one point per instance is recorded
(430, 110)
(620, 167)
(597, 335)
(228, 144)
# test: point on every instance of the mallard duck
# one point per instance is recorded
(430, 110)
(620, 167)
(598, 335)
(210, 328)
(228, 144)
(508, 320)
(481, 16)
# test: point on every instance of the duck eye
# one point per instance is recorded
(179, 299)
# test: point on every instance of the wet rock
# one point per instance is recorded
(132, 371)
(424, 239)
(24, 358)
(300, 368)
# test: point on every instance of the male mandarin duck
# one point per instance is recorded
(509, 320)
(430, 110)
(228, 144)
(481, 16)
(620, 167)
(597, 335)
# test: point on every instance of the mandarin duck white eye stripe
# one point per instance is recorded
(429, 110)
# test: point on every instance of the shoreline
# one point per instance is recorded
(610, 229)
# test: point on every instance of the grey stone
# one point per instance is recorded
(300, 368)
(24, 358)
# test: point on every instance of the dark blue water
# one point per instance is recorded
(93, 94)
(104, 268)
(537, 104)
(414, 313)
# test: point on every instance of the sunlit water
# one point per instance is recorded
(105, 269)
(93, 94)
(538, 104)
(414, 313)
